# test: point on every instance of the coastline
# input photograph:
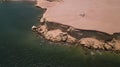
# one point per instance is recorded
(92, 39)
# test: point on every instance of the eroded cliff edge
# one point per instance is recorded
(91, 38)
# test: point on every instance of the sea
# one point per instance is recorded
(21, 47)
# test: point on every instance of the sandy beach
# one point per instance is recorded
(100, 15)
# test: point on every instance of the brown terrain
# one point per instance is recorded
(102, 15)
(89, 23)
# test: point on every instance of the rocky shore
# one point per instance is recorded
(93, 31)
(91, 39)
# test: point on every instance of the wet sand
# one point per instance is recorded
(100, 15)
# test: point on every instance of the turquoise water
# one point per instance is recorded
(20, 47)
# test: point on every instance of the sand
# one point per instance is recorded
(100, 15)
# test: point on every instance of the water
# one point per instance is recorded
(20, 47)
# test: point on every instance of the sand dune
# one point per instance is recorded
(101, 15)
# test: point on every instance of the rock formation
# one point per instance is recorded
(91, 39)
(87, 23)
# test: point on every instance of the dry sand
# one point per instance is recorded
(101, 15)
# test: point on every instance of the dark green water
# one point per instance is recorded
(19, 46)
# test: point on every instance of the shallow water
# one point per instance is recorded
(20, 47)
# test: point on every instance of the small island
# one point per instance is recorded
(82, 22)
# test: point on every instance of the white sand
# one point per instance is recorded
(101, 15)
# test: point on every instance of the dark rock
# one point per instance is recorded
(116, 36)
(91, 39)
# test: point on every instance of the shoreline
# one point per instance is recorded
(88, 38)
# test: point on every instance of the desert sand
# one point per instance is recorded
(100, 15)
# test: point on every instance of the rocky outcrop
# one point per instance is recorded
(90, 25)
(56, 35)
(91, 43)
(53, 34)
(91, 39)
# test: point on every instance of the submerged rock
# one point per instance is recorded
(92, 53)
